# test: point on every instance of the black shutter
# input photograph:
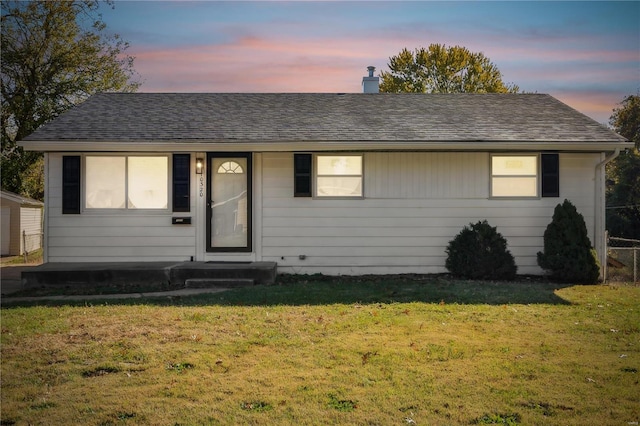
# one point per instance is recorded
(71, 184)
(550, 175)
(181, 182)
(302, 175)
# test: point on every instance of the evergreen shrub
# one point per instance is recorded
(479, 251)
(568, 255)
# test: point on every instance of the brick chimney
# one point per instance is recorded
(370, 84)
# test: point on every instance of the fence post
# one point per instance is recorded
(24, 245)
(605, 267)
(635, 265)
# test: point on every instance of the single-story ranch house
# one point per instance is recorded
(330, 183)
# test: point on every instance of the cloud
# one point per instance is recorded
(598, 105)
(262, 58)
(262, 64)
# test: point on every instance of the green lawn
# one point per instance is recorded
(399, 350)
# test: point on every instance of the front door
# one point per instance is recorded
(229, 202)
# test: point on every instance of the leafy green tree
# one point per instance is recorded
(568, 254)
(623, 174)
(442, 69)
(55, 54)
(32, 180)
(626, 119)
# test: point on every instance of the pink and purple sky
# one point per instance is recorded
(585, 53)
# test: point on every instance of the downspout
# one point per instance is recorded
(609, 158)
(600, 210)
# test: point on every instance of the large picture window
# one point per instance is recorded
(514, 176)
(126, 182)
(339, 175)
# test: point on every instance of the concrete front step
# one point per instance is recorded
(260, 272)
(218, 282)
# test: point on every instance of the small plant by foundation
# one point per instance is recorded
(568, 255)
(479, 251)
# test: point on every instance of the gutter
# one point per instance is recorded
(313, 145)
(608, 159)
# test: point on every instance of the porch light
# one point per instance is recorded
(199, 166)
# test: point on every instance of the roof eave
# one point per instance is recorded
(23, 201)
(319, 145)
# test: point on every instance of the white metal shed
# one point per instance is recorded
(21, 228)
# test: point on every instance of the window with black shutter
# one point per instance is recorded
(181, 182)
(302, 175)
(515, 176)
(550, 174)
(71, 184)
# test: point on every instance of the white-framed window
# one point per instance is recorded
(230, 167)
(128, 182)
(338, 175)
(514, 175)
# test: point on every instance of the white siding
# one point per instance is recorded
(18, 219)
(30, 229)
(14, 235)
(5, 230)
(414, 204)
(426, 175)
(118, 236)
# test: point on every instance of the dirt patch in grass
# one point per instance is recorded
(100, 371)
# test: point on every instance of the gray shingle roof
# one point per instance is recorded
(283, 117)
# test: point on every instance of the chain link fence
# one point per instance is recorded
(31, 243)
(623, 260)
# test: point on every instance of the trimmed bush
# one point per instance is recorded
(479, 251)
(568, 255)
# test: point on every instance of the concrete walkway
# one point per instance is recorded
(89, 297)
(11, 282)
(10, 278)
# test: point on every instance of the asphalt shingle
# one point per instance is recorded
(283, 117)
